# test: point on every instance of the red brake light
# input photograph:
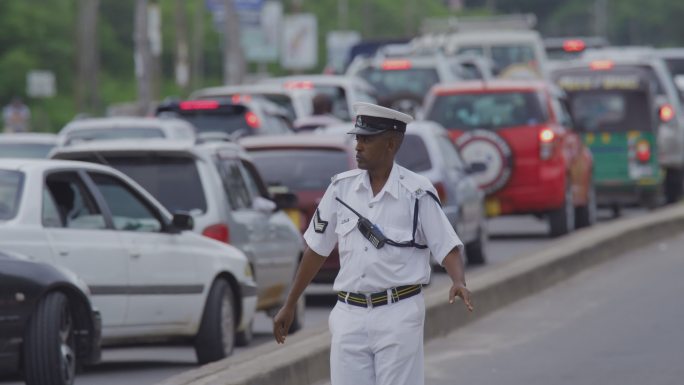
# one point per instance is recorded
(219, 232)
(199, 105)
(574, 45)
(666, 113)
(601, 65)
(237, 98)
(441, 192)
(643, 151)
(396, 65)
(306, 84)
(546, 135)
(252, 119)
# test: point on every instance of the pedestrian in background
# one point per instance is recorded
(322, 105)
(16, 117)
(386, 221)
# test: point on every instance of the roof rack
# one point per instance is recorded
(516, 21)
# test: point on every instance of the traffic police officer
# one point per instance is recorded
(386, 221)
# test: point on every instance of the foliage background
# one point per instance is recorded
(37, 34)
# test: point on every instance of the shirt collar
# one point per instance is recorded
(391, 186)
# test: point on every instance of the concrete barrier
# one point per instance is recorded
(304, 359)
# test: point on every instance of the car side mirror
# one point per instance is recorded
(182, 221)
(264, 205)
(475, 167)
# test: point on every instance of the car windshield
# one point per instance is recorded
(228, 120)
(25, 150)
(283, 101)
(338, 98)
(91, 134)
(161, 175)
(610, 111)
(10, 193)
(413, 154)
(468, 111)
(300, 169)
(505, 56)
(415, 81)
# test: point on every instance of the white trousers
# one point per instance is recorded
(378, 346)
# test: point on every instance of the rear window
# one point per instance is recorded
(231, 119)
(24, 150)
(388, 82)
(413, 154)
(610, 111)
(300, 169)
(86, 135)
(487, 110)
(173, 180)
(283, 101)
(10, 193)
(504, 56)
(339, 100)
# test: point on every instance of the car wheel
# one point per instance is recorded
(562, 220)
(216, 337)
(245, 337)
(475, 251)
(585, 216)
(673, 185)
(49, 344)
(300, 312)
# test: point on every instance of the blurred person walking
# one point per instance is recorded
(386, 221)
(16, 116)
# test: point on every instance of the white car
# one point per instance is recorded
(219, 185)
(114, 128)
(150, 278)
(344, 91)
(27, 145)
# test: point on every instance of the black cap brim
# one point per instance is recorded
(363, 131)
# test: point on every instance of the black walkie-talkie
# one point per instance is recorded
(367, 228)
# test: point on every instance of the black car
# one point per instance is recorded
(47, 322)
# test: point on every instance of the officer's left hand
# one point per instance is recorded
(460, 291)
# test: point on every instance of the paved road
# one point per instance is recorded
(619, 323)
(511, 237)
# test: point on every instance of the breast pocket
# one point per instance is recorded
(344, 230)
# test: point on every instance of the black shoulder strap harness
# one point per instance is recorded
(377, 238)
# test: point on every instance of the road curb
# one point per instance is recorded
(304, 359)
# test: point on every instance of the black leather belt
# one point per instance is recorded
(379, 298)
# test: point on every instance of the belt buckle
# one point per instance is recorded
(369, 301)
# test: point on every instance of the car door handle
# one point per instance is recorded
(63, 253)
(135, 254)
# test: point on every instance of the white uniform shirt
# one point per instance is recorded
(363, 268)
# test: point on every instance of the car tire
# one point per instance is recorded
(215, 339)
(50, 343)
(674, 180)
(585, 216)
(562, 220)
(300, 313)
(475, 251)
(245, 337)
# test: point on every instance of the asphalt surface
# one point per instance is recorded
(618, 323)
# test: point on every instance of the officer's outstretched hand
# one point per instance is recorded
(460, 291)
(282, 322)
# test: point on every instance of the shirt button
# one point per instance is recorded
(363, 275)
(370, 205)
(365, 248)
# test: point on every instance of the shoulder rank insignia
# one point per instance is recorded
(319, 224)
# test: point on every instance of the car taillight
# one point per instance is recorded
(219, 232)
(546, 142)
(643, 151)
(237, 98)
(601, 65)
(252, 119)
(573, 45)
(666, 113)
(396, 65)
(199, 105)
(441, 192)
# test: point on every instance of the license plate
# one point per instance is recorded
(493, 207)
(294, 216)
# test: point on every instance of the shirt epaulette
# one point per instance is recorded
(346, 174)
(417, 185)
